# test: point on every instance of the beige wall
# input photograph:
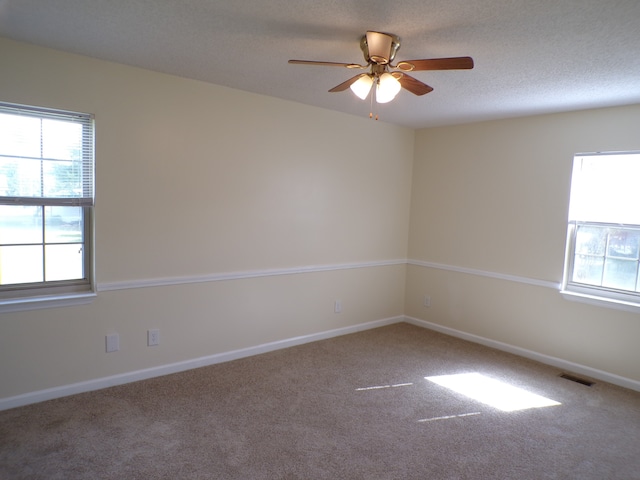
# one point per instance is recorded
(199, 180)
(196, 180)
(492, 197)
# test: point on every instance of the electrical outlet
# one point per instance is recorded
(153, 337)
(426, 301)
(113, 342)
(337, 306)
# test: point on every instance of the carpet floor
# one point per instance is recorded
(358, 406)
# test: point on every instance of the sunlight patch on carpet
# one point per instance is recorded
(492, 392)
(447, 417)
(378, 387)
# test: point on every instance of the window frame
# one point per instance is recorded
(593, 294)
(54, 293)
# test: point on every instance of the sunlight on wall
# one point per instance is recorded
(492, 392)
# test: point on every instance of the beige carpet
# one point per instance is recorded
(352, 407)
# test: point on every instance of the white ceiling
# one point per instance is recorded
(531, 56)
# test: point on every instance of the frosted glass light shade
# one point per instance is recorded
(362, 86)
(387, 88)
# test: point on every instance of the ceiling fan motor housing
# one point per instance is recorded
(379, 47)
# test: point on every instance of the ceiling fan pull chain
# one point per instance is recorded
(375, 92)
(371, 94)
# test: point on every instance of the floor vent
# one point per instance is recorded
(573, 378)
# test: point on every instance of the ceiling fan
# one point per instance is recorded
(379, 51)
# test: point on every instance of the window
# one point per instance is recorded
(603, 240)
(46, 204)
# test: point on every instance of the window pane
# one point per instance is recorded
(591, 240)
(20, 224)
(620, 274)
(63, 262)
(19, 135)
(623, 243)
(62, 178)
(21, 264)
(63, 225)
(587, 269)
(9, 181)
(21, 178)
(61, 140)
(62, 147)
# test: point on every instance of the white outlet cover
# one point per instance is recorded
(113, 342)
(153, 337)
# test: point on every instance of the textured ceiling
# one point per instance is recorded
(530, 56)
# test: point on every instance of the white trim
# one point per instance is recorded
(134, 376)
(37, 303)
(218, 277)
(600, 301)
(523, 352)
(483, 273)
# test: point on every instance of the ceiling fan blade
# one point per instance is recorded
(413, 85)
(453, 63)
(326, 64)
(344, 85)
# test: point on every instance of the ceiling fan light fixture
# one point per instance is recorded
(387, 88)
(362, 86)
(379, 50)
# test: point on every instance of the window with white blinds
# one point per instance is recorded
(46, 202)
(603, 240)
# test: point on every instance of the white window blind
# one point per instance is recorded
(604, 188)
(46, 157)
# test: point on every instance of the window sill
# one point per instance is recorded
(51, 301)
(600, 301)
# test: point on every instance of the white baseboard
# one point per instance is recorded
(134, 376)
(523, 352)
